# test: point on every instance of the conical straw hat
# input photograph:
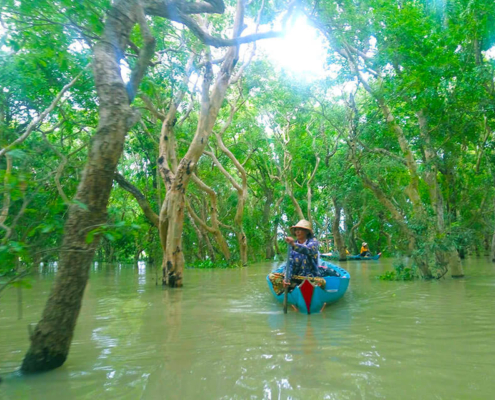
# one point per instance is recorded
(302, 224)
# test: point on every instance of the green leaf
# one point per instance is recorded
(91, 235)
(109, 236)
(47, 228)
(17, 154)
(80, 204)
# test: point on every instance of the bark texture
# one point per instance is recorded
(177, 178)
(337, 236)
(214, 229)
(52, 336)
(267, 229)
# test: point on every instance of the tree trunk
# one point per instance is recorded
(177, 178)
(140, 198)
(420, 260)
(214, 229)
(493, 238)
(209, 248)
(239, 230)
(266, 226)
(243, 249)
(297, 207)
(275, 242)
(446, 258)
(137, 254)
(52, 336)
(337, 237)
(171, 228)
(111, 256)
(455, 265)
(200, 254)
(352, 234)
(241, 191)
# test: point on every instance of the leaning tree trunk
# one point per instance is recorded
(52, 336)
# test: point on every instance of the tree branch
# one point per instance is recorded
(207, 39)
(378, 150)
(151, 108)
(223, 170)
(145, 54)
(42, 116)
(142, 201)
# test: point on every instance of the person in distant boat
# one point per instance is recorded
(303, 259)
(365, 251)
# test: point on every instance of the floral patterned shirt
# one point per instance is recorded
(304, 259)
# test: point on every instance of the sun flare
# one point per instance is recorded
(302, 51)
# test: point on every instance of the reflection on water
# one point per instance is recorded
(223, 336)
(141, 276)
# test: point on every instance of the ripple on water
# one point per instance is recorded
(224, 337)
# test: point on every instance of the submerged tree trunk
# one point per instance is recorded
(445, 258)
(177, 177)
(352, 234)
(52, 336)
(493, 238)
(137, 254)
(337, 236)
(266, 226)
(171, 228)
(493, 248)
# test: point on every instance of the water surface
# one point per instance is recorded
(223, 336)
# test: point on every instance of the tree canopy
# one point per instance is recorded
(393, 145)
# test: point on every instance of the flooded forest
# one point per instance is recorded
(154, 154)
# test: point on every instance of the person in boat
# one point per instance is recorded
(303, 259)
(365, 251)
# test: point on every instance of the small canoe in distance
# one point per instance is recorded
(309, 298)
(350, 258)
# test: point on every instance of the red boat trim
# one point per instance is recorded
(307, 290)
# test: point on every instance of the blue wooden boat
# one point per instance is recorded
(351, 258)
(310, 299)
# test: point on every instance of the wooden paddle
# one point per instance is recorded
(286, 288)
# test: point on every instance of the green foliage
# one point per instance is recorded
(9, 253)
(429, 59)
(209, 264)
(400, 273)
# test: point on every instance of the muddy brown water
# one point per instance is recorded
(223, 336)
